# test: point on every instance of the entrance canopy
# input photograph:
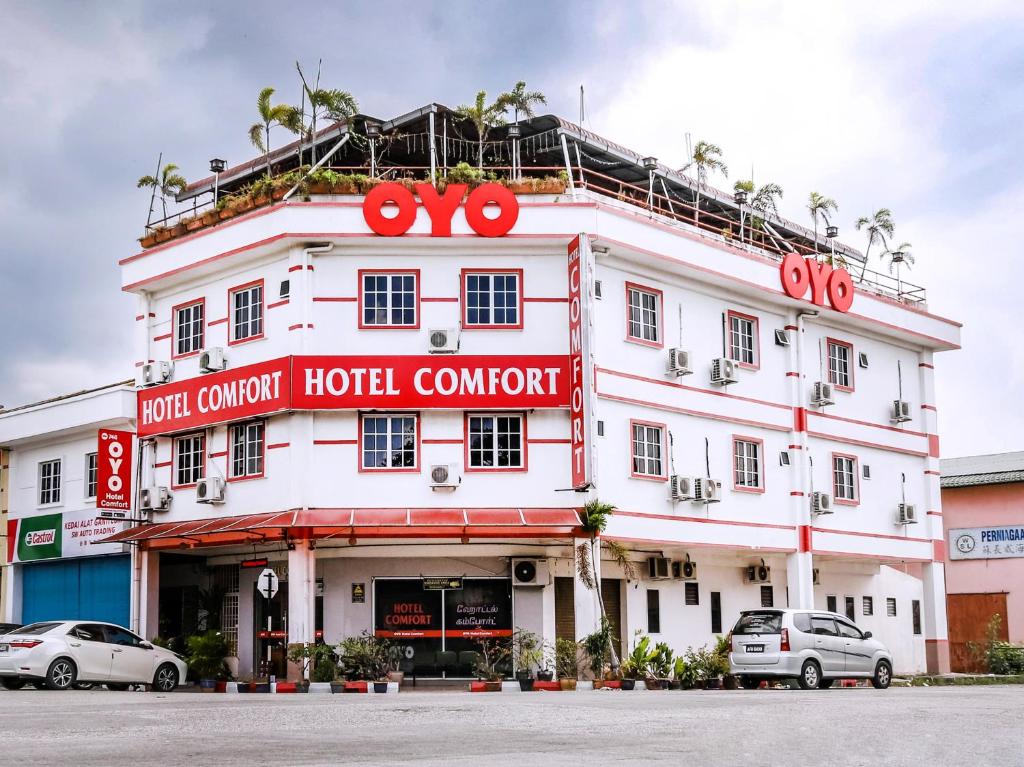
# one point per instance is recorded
(306, 524)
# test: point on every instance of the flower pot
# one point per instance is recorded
(729, 682)
(526, 683)
(263, 687)
(396, 676)
(713, 684)
(178, 230)
(674, 684)
(319, 187)
(207, 685)
(521, 187)
(628, 684)
(567, 685)
(194, 224)
(162, 235)
(226, 213)
(221, 686)
(380, 687)
(337, 687)
(545, 676)
(260, 200)
(210, 217)
(320, 688)
(345, 187)
(493, 686)
(242, 204)
(550, 186)
(278, 194)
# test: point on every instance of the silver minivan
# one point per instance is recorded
(815, 647)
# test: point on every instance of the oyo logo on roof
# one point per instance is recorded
(798, 274)
(440, 208)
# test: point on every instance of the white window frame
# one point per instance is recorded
(645, 326)
(390, 293)
(647, 450)
(194, 326)
(743, 339)
(253, 444)
(495, 434)
(840, 370)
(247, 319)
(490, 292)
(390, 433)
(92, 475)
(50, 482)
(844, 467)
(198, 470)
(748, 464)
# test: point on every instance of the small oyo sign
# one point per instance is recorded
(114, 472)
(440, 208)
(799, 273)
(268, 583)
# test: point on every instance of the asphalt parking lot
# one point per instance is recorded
(908, 726)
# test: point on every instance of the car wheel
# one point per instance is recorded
(83, 685)
(116, 686)
(749, 682)
(824, 684)
(61, 674)
(883, 675)
(166, 678)
(12, 682)
(810, 676)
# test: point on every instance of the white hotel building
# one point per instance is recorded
(358, 450)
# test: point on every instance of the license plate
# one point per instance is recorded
(755, 648)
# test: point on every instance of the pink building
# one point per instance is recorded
(983, 515)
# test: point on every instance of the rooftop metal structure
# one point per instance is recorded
(974, 470)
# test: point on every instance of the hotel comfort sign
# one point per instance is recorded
(417, 382)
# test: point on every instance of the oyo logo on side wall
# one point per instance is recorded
(799, 273)
(440, 208)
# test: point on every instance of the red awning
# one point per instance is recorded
(358, 523)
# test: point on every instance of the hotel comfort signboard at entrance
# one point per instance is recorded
(418, 382)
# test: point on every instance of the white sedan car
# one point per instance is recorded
(63, 654)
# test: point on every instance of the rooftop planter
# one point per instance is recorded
(267, 191)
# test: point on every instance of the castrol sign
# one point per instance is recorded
(801, 274)
(401, 202)
(114, 470)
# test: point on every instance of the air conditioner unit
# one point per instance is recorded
(211, 360)
(758, 574)
(782, 337)
(684, 571)
(444, 475)
(658, 568)
(900, 412)
(210, 490)
(680, 488)
(906, 514)
(678, 363)
(443, 341)
(530, 572)
(154, 499)
(821, 503)
(816, 576)
(723, 371)
(822, 394)
(156, 373)
(705, 490)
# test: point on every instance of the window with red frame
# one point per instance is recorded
(389, 441)
(496, 441)
(643, 322)
(840, 368)
(189, 459)
(844, 478)
(647, 450)
(389, 300)
(492, 299)
(247, 313)
(188, 328)
(743, 339)
(747, 460)
(247, 441)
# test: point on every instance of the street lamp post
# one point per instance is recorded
(650, 164)
(740, 198)
(217, 167)
(373, 133)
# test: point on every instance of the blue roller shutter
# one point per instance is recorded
(96, 589)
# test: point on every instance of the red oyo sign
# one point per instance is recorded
(440, 208)
(417, 382)
(799, 273)
(114, 470)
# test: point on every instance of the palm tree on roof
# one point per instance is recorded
(879, 226)
(897, 257)
(707, 159)
(484, 116)
(521, 100)
(819, 205)
(167, 182)
(272, 114)
(329, 103)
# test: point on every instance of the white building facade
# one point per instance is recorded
(379, 410)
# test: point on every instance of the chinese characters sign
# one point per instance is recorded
(986, 542)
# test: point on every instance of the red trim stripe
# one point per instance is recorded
(927, 364)
(299, 326)
(219, 455)
(335, 442)
(277, 445)
(864, 443)
(792, 374)
(439, 300)
(442, 442)
(796, 447)
(298, 268)
(702, 520)
(697, 413)
(930, 407)
(161, 465)
(334, 299)
(282, 302)
(866, 423)
(859, 534)
(162, 338)
(933, 445)
(932, 472)
(796, 492)
(221, 321)
(549, 441)
(934, 513)
(552, 300)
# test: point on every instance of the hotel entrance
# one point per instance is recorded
(436, 622)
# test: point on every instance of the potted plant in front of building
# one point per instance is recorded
(660, 665)
(491, 661)
(597, 648)
(527, 655)
(567, 663)
(721, 653)
(206, 654)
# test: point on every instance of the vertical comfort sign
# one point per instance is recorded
(580, 367)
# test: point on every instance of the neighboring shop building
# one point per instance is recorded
(56, 570)
(983, 513)
(393, 413)
(4, 495)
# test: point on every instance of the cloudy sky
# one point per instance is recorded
(915, 106)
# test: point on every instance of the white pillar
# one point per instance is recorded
(800, 580)
(799, 565)
(149, 594)
(588, 609)
(301, 593)
(936, 636)
(548, 612)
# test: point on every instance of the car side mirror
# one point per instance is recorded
(145, 645)
(867, 635)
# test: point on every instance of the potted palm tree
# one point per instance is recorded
(706, 158)
(167, 183)
(879, 226)
(820, 206)
(206, 654)
(567, 663)
(527, 655)
(484, 117)
(287, 117)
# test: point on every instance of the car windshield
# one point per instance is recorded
(759, 623)
(37, 628)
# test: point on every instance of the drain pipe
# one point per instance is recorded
(307, 280)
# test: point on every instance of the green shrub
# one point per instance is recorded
(206, 654)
